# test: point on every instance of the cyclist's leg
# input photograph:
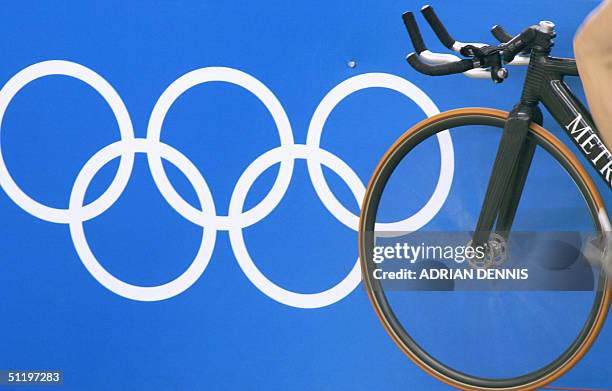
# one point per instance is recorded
(593, 50)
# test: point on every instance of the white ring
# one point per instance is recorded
(265, 285)
(135, 292)
(77, 71)
(313, 139)
(257, 88)
(236, 219)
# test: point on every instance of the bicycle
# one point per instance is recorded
(523, 135)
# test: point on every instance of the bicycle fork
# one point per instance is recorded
(509, 173)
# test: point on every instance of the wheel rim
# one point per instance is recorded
(396, 153)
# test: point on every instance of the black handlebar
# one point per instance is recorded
(491, 57)
(439, 69)
(437, 26)
(500, 34)
(419, 46)
(413, 31)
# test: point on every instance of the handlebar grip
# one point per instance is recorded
(500, 34)
(437, 26)
(413, 31)
(439, 69)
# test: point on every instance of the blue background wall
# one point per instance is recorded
(222, 333)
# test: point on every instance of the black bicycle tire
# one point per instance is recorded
(424, 130)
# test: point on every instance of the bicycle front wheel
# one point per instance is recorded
(474, 337)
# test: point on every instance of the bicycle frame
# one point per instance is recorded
(571, 114)
(544, 83)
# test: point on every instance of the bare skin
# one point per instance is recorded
(593, 50)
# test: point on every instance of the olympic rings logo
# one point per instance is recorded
(206, 217)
